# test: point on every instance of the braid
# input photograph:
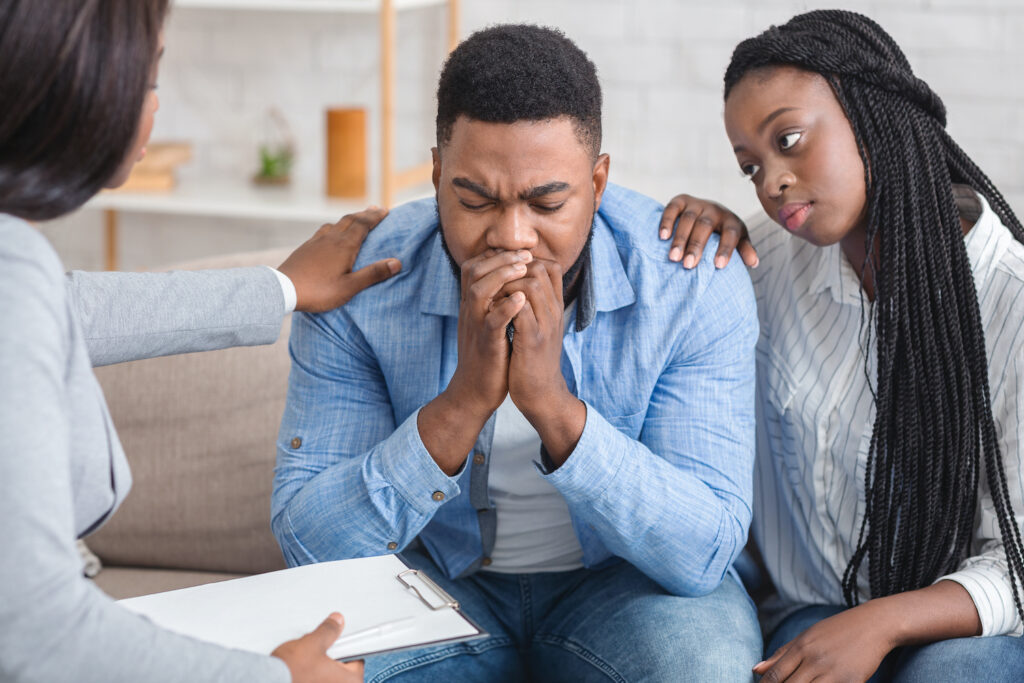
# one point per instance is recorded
(934, 435)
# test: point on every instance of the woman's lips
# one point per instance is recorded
(794, 214)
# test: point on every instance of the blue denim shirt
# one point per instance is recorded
(662, 357)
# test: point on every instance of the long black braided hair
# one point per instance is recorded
(934, 432)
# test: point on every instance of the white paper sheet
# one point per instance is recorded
(260, 612)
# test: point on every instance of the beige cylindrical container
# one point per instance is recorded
(346, 152)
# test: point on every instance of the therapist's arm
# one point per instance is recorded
(128, 316)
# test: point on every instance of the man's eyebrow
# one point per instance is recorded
(467, 184)
(547, 188)
(771, 117)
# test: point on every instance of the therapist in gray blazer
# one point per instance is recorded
(77, 98)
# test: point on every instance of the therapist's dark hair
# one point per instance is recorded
(73, 80)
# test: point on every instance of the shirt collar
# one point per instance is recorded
(986, 242)
(605, 286)
(833, 272)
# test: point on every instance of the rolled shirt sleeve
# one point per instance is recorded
(676, 502)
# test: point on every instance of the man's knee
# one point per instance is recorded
(658, 637)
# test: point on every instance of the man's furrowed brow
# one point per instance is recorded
(545, 189)
(467, 184)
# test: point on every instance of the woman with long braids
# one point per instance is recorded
(889, 487)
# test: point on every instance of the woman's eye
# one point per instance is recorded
(789, 139)
(749, 170)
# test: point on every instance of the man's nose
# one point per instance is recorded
(512, 229)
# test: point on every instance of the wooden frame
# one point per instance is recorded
(392, 180)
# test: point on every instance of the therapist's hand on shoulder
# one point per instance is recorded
(321, 269)
(307, 658)
(689, 221)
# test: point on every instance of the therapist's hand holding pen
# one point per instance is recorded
(321, 269)
(307, 657)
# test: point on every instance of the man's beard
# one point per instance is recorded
(572, 279)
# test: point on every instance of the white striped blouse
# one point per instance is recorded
(815, 417)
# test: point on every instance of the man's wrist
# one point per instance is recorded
(559, 422)
(448, 429)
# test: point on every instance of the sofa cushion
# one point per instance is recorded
(131, 582)
(199, 431)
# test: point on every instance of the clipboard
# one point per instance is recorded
(258, 613)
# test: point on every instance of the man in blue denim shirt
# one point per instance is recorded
(541, 411)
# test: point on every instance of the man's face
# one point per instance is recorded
(526, 185)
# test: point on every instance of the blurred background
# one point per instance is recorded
(239, 75)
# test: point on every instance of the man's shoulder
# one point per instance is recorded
(402, 234)
(408, 234)
(634, 219)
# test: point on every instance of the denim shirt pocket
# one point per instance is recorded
(631, 424)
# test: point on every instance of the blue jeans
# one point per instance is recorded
(613, 624)
(996, 659)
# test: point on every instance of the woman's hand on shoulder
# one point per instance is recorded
(321, 268)
(689, 221)
(307, 658)
(849, 646)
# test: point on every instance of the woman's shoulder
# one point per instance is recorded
(23, 245)
(29, 267)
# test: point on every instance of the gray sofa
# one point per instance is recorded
(199, 432)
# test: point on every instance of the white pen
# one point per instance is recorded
(387, 628)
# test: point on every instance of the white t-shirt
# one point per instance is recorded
(534, 532)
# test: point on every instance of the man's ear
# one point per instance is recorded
(435, 155)
(600, 178)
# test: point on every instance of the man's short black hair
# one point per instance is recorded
(520, 72)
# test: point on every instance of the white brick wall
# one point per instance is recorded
(660, 62)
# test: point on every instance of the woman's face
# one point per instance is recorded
(792, 138)
(149, 107)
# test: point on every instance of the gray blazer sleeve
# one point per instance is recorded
(127, 316)
(56, 626)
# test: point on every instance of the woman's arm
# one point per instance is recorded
(851, 645)
(128, 316)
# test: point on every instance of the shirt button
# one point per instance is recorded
(392, 546)
(438, 496)
(296, 442)
(479, 459)
(486, 562)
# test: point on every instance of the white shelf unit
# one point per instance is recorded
(239, 201)
(351, 6)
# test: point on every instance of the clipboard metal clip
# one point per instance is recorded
(446, 599)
